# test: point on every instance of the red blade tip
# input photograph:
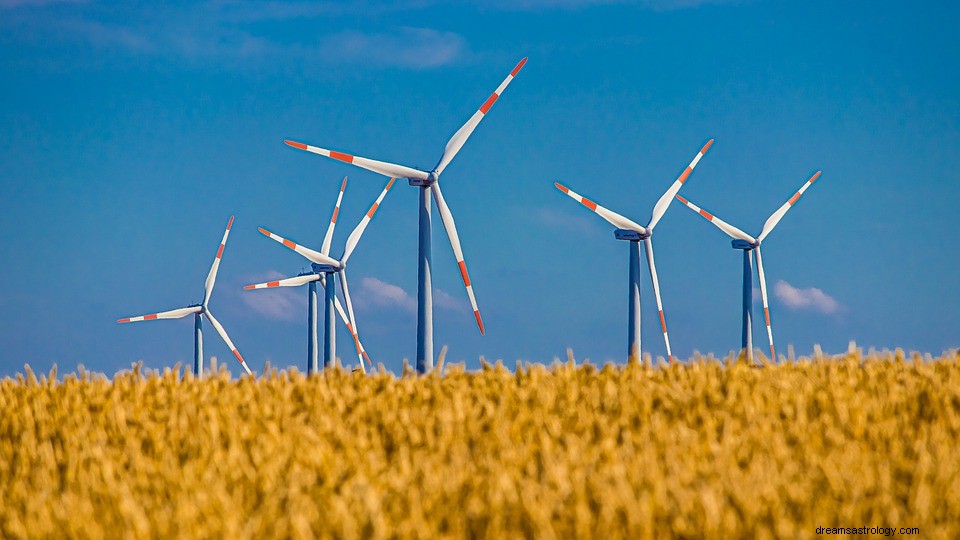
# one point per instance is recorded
(248, 287)
(706, 146)
(561, 187)
(479, 321)
(519, 67)
(681, 199)
(295, 144)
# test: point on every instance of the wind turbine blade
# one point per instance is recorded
(311, 255)
(346, 322)
(354, 238)
(648, 244)
(778, 215)
(731, 231)
(325, 248)
(610, 216)
(667, 198)
(288, 282)
(226, 339)
(212, 276)
(451, 228)
(460, 137)
(766, 308)
(353, 322)
(172, 314)
(387, 169)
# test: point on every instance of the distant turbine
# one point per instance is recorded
(748, 244)
(634, 233)
(199, 310)
(331, 302)
(429, 184)
(324, 264)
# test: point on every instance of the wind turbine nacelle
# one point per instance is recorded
(420, 182)
(627, 234)
(323, 268)
(743, 244)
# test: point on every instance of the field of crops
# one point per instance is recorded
(709, 449)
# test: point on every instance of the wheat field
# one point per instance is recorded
(710, 448)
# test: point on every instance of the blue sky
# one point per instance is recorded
(130, 132)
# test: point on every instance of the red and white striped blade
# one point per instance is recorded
(731, 231)
(766, 307)
(353, 322)
(212, 276)
(288, 282)
(172, 314)
(387, 169)
(226, 339)
(346, 321)
(460, 137)
(311, 255)
(667, 198)
(354, 237)
(648, 244)
(451, 227)
(610, 216)
(325, 248)
(778, 215)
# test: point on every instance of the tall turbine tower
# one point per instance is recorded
(750, 245)
(200, 310)
(428, 182)
(634, 233)
(311, 278)
(324, 264)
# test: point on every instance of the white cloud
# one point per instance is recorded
(374, 292)
(443, 300)
(416, 48)
(377, 293)
(281, 303)
(567, 221)
(809, 298)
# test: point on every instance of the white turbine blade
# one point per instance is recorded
(766, 308)
(451, 227)
(212, 276)
(356, 332)
(387, 169)
(731, 231)
(778, 215)
(354, 237)
(226, 339)
(325, 248)
(667, 198)
(346, 322)
(311, 255)
(612, 217)
(656, 293)
(172, 314)
(288, 282)
(460, 137)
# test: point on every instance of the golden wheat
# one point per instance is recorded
(706, 449)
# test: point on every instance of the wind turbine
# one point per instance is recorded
(429, 185)
(199, 310)
(324, 264)
(634, 233)
(749, 244)
(331, 301)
